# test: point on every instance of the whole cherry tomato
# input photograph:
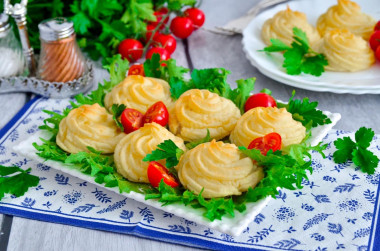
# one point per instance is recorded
(131, 119)
(157, 172)
(136, 69)
(131, 49)
(181, 27)
(374, 40)
(377, 26)
(164, 54)
(196, 15)
(259, 100)
(157, 113)
(149, 31)
(167, 42)
(264, 144)
(377, 53)
(159, 14)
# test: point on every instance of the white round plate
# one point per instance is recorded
(363, 82)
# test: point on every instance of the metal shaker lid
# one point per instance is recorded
(4, 24)
(56, 28)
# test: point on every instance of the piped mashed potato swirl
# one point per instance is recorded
(198, 110)
(345, 52)
(346, 15)
(218, 168)
(140, 93)
(131, 150)
(260, 121)
(281, 27)
(88, 125)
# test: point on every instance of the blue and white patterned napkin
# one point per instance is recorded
(336, 209)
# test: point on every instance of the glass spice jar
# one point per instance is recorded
(61, 59)
(12, 61)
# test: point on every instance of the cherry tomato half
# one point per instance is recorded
(136, 69)
(259, 100)
(167, 42)
(182, 27)
(131, 120)
(164, 54)
(374, 40)
(131, 49)
(157, 113)
(196, 15)
(264, 144)
(157, 172)
(377, 26)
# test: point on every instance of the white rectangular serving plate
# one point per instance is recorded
(232, 226)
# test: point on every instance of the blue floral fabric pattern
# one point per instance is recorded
(336, 209)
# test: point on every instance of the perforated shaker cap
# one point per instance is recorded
(4, 23)
(56, 28)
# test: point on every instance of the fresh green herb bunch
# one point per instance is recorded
(100, 25)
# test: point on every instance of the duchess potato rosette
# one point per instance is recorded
(281, 27)
(131, 150)
(139, 93)
(219, 169)
(346, 15)
(198, 110)
(88, 125)
(345, 52)
(260, 121)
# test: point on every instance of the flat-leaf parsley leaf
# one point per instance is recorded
(166, 150)
(117, 110)
(16, 181)
(305, 112)
(299, 57)
(357, 151)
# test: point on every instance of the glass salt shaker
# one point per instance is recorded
(61, 59)
(12, 61)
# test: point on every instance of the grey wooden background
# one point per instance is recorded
(202, 50)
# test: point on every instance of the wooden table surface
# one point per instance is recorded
(202, 50)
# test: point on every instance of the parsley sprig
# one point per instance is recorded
(299, 57)
(358, 152)
(305, 112)
(117, 110)
(16, 181)
(169, 151)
